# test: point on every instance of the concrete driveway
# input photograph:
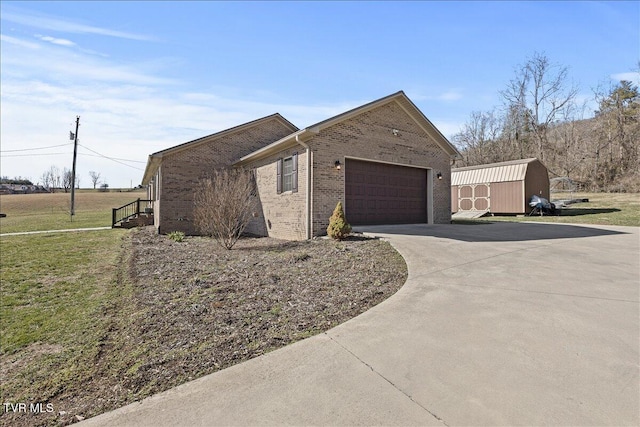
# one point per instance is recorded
(498, 324)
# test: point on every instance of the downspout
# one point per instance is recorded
(308, 227)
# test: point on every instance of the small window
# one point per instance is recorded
(288, 174)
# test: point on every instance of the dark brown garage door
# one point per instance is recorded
(379, 193)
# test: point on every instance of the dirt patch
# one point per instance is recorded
(16, 362)
(192, 308)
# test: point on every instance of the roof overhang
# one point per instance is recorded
(423, 122)
(297, 138)
(155, 159)
(153, 163)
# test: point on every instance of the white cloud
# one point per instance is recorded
(126, 121)
(79, 66)
(57, 24)
(19, 42)
(631, 76)
(126, 112)
(447, 128)
(452, 95)
(53, 40)
(448, 95)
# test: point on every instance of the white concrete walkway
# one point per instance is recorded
(54, 231)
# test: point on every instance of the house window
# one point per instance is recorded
(288, 174)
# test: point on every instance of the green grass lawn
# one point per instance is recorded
(54, 290)
(602, 209)
(34, 212)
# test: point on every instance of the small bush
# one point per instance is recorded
(176, 236)
(338, 227)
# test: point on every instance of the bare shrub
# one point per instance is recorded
(223, 205)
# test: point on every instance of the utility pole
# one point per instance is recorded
(73, 169)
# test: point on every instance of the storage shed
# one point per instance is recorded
(499, 188)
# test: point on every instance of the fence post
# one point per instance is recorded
(138, 206)
(113, 217)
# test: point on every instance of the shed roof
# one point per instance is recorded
(515, 170)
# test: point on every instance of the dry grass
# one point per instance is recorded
(602, 209)
(34, 212)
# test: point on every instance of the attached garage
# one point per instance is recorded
(384, 162)
(382, 193)
(499, 188)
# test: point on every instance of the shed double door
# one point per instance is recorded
(380, 193)
(475, 197)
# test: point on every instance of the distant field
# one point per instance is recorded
(602, 209)
(35, 212)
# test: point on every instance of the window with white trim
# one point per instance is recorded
(287, 179)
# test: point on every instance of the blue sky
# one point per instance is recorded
(145, 76)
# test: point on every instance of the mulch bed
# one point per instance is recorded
(217, 307)
(196, 308)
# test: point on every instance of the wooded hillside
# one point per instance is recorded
(540, 117)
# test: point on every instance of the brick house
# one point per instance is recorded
(385, 161)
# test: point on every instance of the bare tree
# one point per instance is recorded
(224, 204)
(95, 178)
(567, 144)
(45, 180)
(541, 94)
(542, 119)
(479, 139)
(54, 178)
(617, 150)
(66, 179)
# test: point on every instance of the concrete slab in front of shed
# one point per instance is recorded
(469, 214)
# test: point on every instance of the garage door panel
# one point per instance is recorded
(389, 194)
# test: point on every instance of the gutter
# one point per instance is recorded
(309, 224)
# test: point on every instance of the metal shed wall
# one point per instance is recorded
(536, 182)
(507, 197)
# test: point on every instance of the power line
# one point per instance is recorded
(30, 155)
(116, 158)
(109, 158)
(32, 149)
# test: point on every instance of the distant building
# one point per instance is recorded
(21, 189)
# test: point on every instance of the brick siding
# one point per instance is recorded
(366, 136)
(280, 215)
(181, 171)
(369, 136)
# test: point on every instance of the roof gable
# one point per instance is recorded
(156, 158)
(399, 97)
